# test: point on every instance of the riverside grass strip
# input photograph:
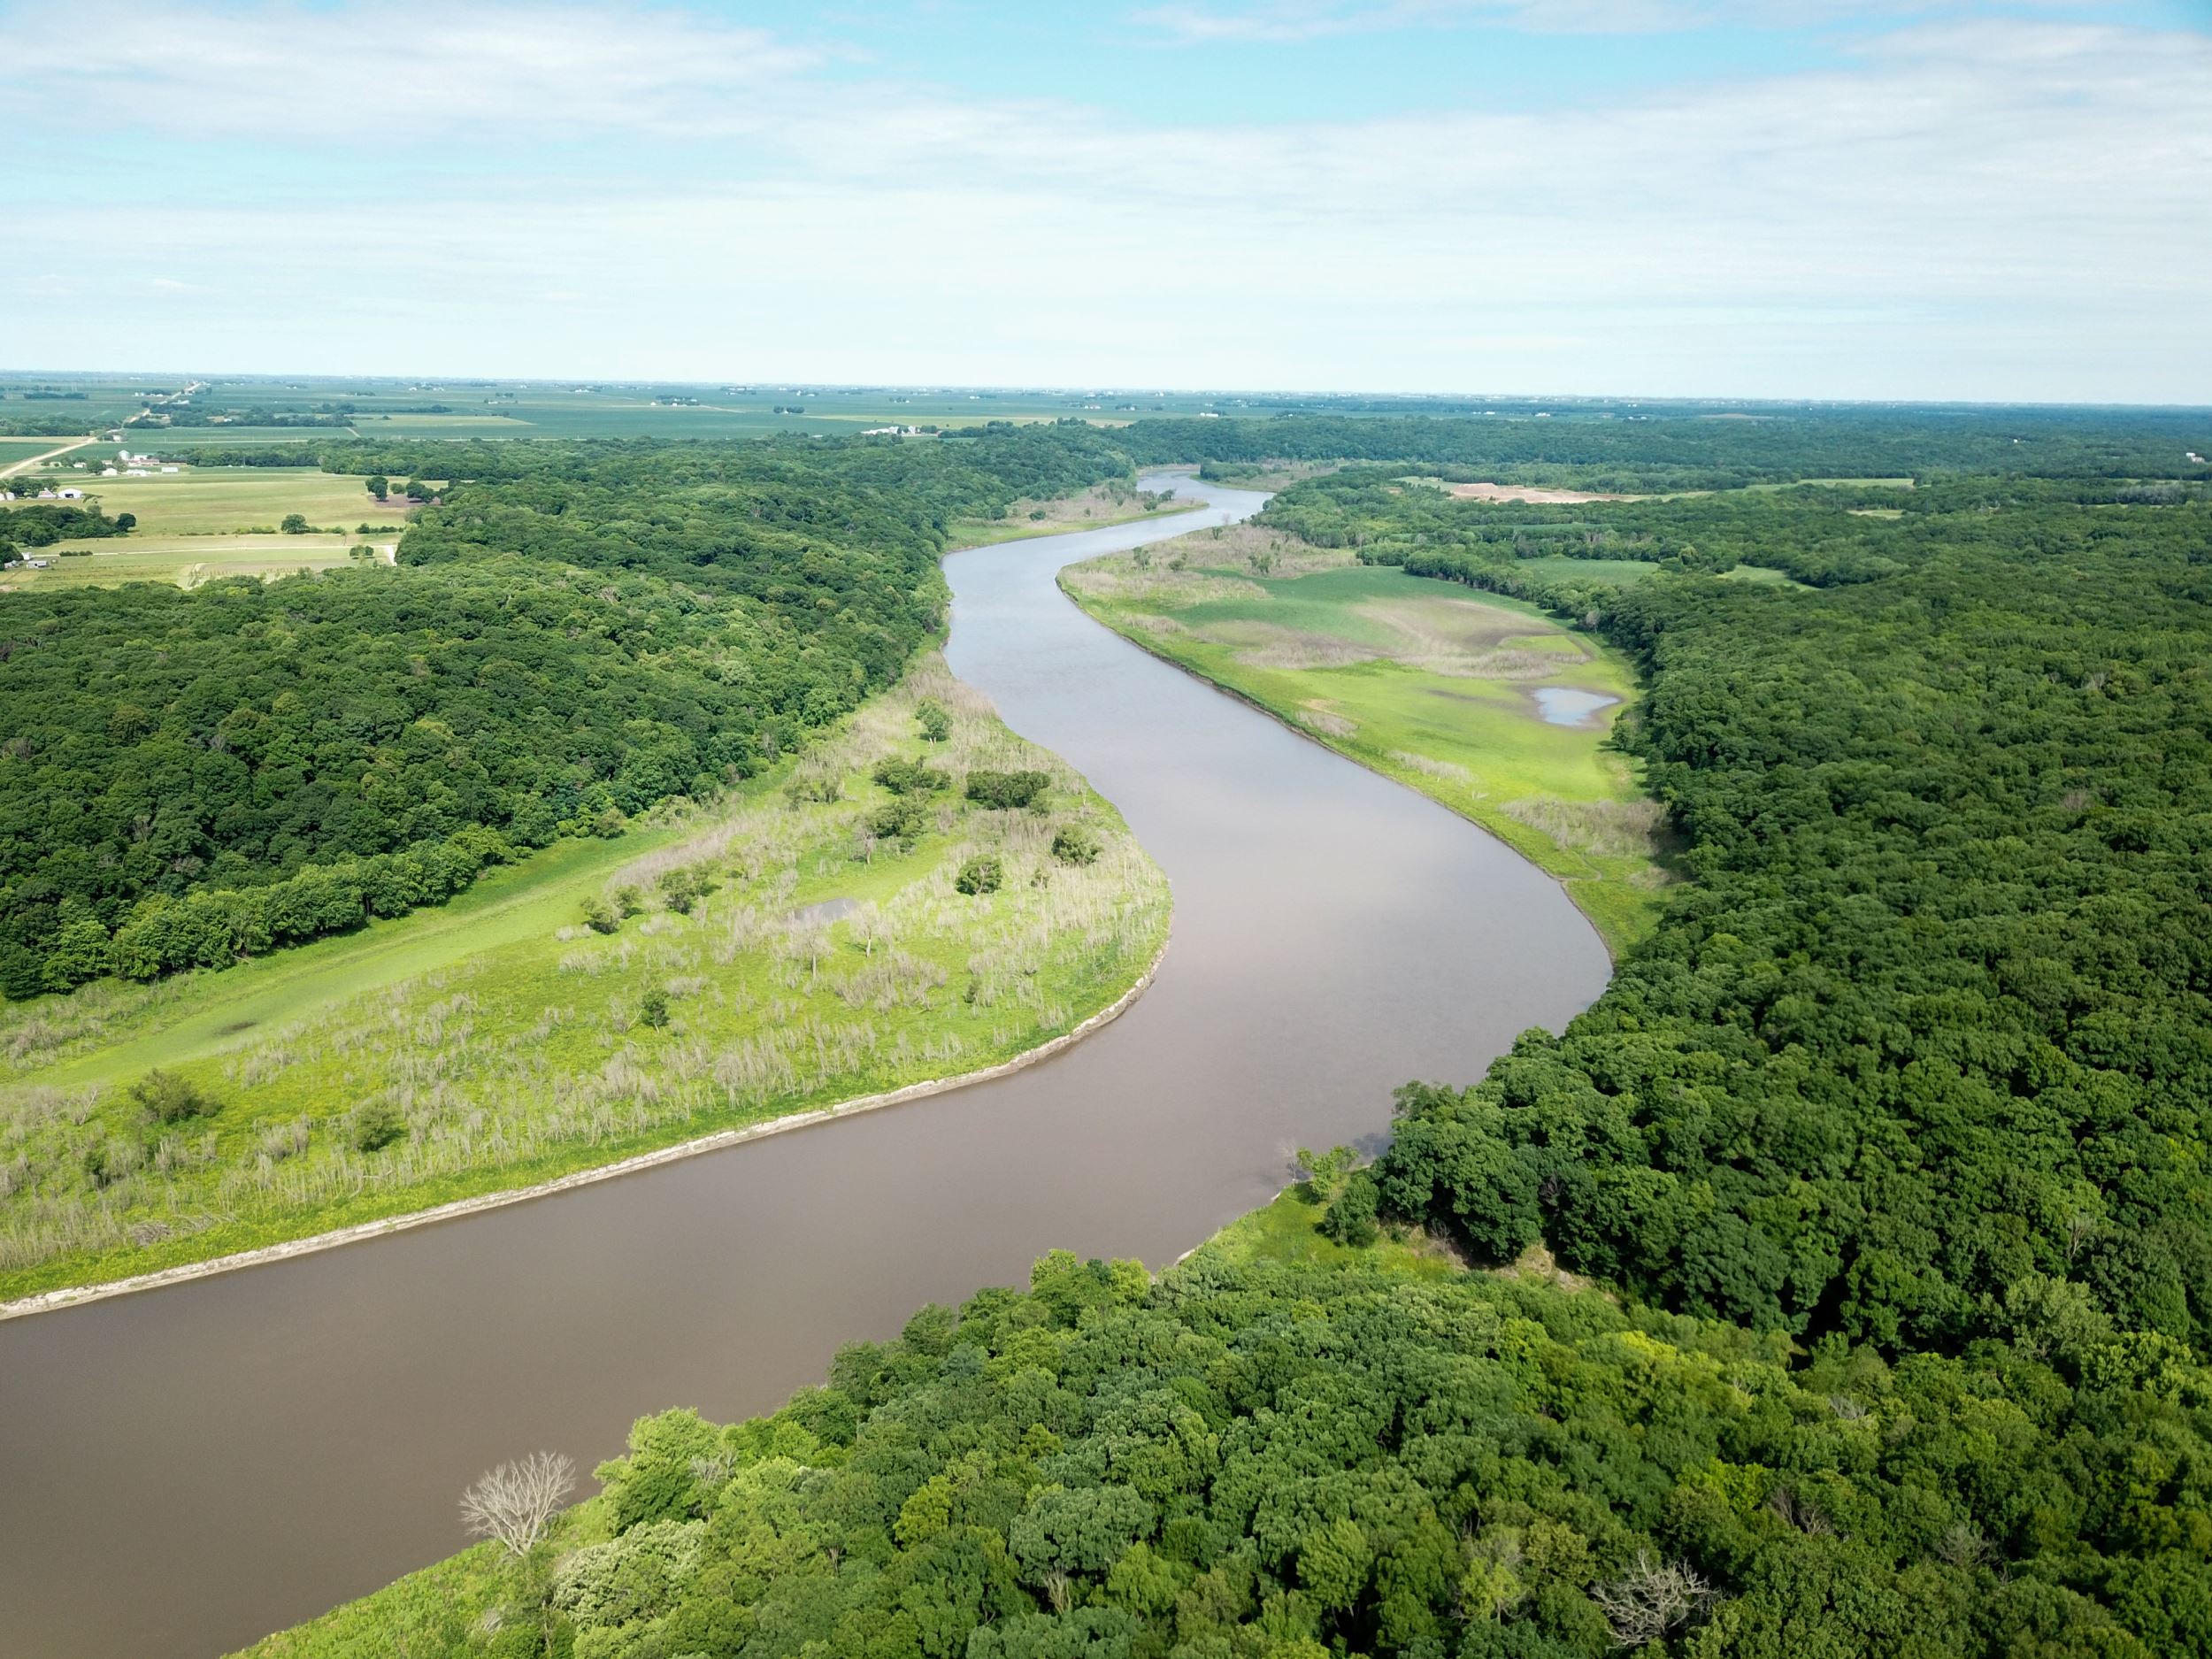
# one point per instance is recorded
(1429, 686)
(823, 962)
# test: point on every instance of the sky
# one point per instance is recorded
(1985, 200)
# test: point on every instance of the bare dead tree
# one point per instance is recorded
(513, 1503)
(1651, 1602)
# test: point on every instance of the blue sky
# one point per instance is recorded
(1793, 198)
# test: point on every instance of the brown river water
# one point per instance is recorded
(184, 1469)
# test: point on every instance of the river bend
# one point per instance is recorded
(188, 1468)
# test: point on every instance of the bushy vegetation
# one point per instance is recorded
(38, 524)
(1242, 1462)
(1929, 1040)
(587, 630)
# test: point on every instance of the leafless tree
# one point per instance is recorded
(1651, 1602)
(513, 1503)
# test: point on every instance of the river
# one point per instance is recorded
(189, 1468)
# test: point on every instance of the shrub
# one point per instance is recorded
(979, 875)
(1075, 845)
(681, 889)
(1350, 1219)
(652, 1009)
(903, 820)
(377, 1124)
(902, 776)
(295, 524)
(1006, 790)
(930, 715)
(172, 1099)
(601, 916)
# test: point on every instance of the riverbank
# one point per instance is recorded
(802, 950)
(74, 1296)
(1484, 704)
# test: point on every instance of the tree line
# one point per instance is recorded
(1274, 1462)
(191, 777)
(1929, 1036)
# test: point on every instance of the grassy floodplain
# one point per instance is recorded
(498, 1042)
(1115, 502)
(1420, 681)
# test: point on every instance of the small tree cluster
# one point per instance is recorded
(936, 725)
(902, 776)
(1075, 845)
(1006, 790)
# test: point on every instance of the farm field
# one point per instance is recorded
(183, 561)
(768, 956)
(1484, 704)
(228, 500)
(19, 452)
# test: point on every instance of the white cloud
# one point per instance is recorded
(1974, 209)
(385, 74)
(1291, 21)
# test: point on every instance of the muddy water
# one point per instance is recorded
(184, 1469)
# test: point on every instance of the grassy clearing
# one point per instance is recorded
(1590, 569)
(498, 1042)
(185, 561)
(1419, 681)
(1288, 1230)
(1112, 503)
(1762, 576)
(230, 501)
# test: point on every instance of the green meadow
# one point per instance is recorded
(230, 501)
(782, 949)
(185, 561)
(1423, 681)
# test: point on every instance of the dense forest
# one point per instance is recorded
(1929, 1038)
(589, 629)
(1269, 1462)
(1667, 451)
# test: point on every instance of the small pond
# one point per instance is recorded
(1566, 705)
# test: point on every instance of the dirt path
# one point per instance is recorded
(26, 465)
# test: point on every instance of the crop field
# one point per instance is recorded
(16, 451)
(184, 561)
(766, 956)
(230, 501)
(1482, 703)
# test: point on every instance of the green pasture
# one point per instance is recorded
(1589, 570)
(510, 1043)
(226, 501)
(1761, 575)
(1423, 681)
(184, 561)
